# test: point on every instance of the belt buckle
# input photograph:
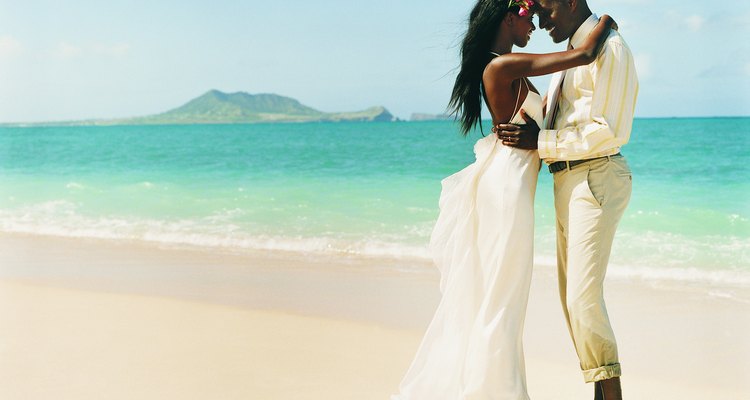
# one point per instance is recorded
(558, 166)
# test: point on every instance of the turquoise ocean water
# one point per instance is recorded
(362, 188)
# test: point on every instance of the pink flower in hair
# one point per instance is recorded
(524, 6)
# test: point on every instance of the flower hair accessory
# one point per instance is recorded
(525, 5)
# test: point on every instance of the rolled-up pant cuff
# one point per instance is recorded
(602, 373)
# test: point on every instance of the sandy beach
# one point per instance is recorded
(93, 319)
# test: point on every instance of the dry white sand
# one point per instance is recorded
(87, 319)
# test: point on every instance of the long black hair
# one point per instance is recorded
(466, 99)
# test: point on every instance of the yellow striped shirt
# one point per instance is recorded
(596, 105)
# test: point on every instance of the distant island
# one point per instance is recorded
(429, 117)
(216, 107)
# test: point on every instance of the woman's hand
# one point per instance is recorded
(596, 39)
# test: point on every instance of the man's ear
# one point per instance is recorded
(509, 19)
(573, 4)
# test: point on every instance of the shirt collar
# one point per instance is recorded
(583, 31)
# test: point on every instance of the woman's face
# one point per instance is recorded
(522, 29)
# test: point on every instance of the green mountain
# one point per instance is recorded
(220, 107)
(216, 107)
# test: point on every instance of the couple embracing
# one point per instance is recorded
(483, 239)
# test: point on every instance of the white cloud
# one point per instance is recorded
(695, 22)
(9, 46)
(643, 65)
(726, 70)
(739, 20)
(116, 50)
(67, 50)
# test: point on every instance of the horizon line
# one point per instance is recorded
(71, 123)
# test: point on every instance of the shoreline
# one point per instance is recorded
(727, 283)
(338, 313)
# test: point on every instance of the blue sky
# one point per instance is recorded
(92, 59)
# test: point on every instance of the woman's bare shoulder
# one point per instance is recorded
(496, 68)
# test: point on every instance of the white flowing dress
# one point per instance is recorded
(482, 244)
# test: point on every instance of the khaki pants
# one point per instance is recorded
(590, 198)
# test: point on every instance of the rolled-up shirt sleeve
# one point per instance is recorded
(610, 119)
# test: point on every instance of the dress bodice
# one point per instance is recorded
(533, 107)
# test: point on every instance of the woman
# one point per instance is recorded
(483, 239)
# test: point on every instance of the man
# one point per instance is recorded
(589, 117)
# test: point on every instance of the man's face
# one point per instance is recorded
(556, 17)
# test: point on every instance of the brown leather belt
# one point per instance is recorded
(563, 165)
